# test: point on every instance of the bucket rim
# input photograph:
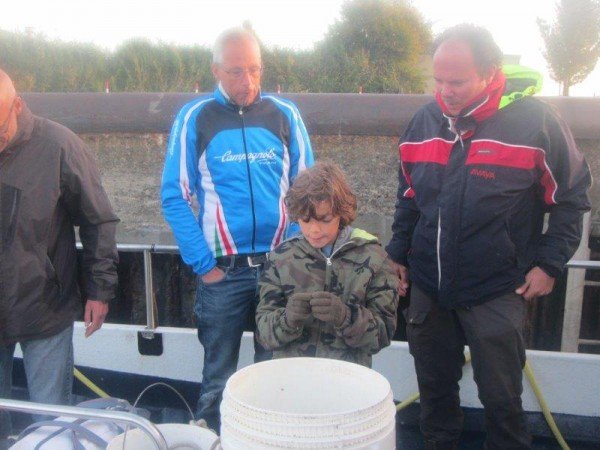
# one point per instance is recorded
(379, 404)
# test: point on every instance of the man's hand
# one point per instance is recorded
(93, 318)
(537, 283)
(329, 308)
(402, 272)
(297, 310)
(213, 276)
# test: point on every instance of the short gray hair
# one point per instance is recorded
(229, 35)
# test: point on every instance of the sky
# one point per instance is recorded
(296, 24)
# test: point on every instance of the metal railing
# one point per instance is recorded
(147, 250)
(571, 332)
(571, 322)
(578, 264)
(86, 413)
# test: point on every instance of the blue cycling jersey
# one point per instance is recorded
(239, 162)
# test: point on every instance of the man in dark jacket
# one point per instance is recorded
(479, 168)
(49, 183)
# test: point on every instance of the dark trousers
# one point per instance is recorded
(494, 333)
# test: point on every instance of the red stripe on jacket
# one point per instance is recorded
(434, 150)
(497, 153)
(481, 151)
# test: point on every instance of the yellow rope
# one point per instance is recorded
(538, 395)
(413, 398)
(89, 384)
(545, 410)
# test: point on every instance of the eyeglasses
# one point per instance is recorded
(6, 123)
(238, 73)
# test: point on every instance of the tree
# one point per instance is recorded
(572, 41)
(37, 64)
(139, 65)
(292, 71)
(377, 44)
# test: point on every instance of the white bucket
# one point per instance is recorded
(307, 403)
(178, 436)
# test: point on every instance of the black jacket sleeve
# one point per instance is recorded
(564, 187)
(406, 214)
(89, 208)
(405, 219)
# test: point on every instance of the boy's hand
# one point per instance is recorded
(297, 310)
(329, 308)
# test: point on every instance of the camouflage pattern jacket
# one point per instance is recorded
(358, 271)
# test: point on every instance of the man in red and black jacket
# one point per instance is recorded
(479, 168)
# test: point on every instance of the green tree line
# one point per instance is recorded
(377, 45)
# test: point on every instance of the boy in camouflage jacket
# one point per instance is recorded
(330, 292)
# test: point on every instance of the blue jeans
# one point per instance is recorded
(223, 309)
(49, 370)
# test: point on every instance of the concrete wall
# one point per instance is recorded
(132, 166)
(324, 114)
(367, 126)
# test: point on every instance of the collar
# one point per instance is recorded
(344, 235)
(480, 108)
(223, 97)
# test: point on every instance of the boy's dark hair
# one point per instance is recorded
(486, 52)
(324, 182)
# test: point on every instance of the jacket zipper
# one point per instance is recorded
(439, 238)
(327, 286)
(241, 113)
(439, 226)
(328, 265)
(462, 201)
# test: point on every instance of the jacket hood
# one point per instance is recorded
(510, 84)
(347, 238)
(521, 82)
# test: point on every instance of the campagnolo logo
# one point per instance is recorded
(263, 157)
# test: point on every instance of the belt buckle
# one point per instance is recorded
(251, 263)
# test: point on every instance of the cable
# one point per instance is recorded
(160, 383)
(146, 389)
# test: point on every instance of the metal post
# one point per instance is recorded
(574, 294)
(86, 413)
(150, 318)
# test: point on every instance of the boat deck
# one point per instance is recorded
(409, 438)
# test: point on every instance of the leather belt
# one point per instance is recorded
(234, 261)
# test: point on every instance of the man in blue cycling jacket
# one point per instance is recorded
(238, 151)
